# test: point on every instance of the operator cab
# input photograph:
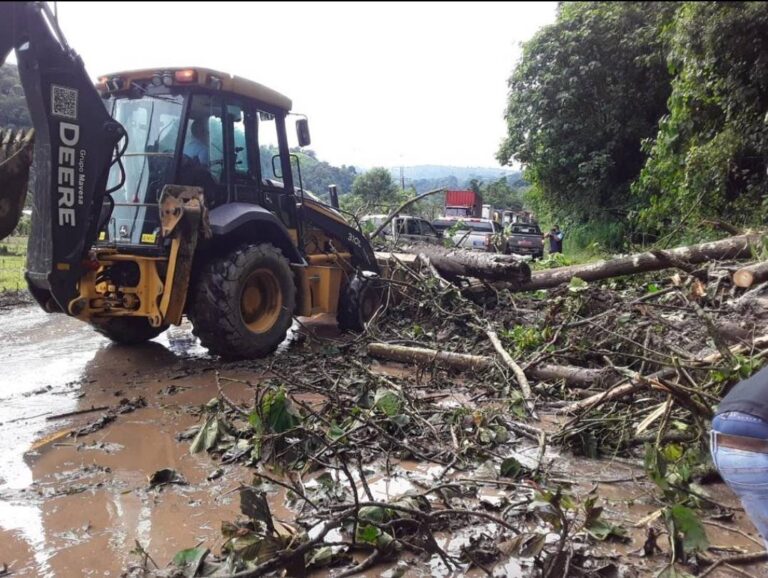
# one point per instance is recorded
(194, 127)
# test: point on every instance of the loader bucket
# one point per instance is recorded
(15, 161)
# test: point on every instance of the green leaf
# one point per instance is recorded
(685, 522)
(485, 435)
(577, 285)
(278, 412)
(255, 420)
(511, 468)
(602, 530)
(373, 514)
(673, 452)
(387, 401)
(207, 437)
(335, 432)
(367, 534)
(190, 560)
(321, 557)
(189, 556)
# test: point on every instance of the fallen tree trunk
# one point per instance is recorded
(453, 263)
(463, 361)
(748, 276)
(731, 248)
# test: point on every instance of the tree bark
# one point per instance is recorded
(424, 356)
(748, 276)
(731, 248)
(463, 361)
(452, 263)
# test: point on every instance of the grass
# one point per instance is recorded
(12, 264)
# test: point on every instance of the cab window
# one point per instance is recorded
(268, 145)
(237, 116)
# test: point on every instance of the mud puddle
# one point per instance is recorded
(78, 507)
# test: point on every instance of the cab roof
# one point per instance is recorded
(191, 75)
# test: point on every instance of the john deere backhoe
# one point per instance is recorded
(159, 193)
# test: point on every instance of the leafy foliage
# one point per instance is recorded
(586, 92)
(375, 186)
(317, 175)
(13, 106)
(711, 153)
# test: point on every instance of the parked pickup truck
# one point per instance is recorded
(471, 233)
(525, 239)
(403, 228)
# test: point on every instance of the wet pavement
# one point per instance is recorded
(79, 506)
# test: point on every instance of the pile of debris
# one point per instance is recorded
(472, 425)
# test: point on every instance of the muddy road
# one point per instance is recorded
(80, 505)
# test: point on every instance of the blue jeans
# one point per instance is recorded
(745, 472)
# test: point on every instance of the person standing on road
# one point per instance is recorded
(739, 446)
(555, 237)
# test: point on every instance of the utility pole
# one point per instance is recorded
(402, 178)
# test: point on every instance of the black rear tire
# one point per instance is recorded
(242, 304)
(128, 330)
(358, 301)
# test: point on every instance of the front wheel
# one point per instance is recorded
(242, 305)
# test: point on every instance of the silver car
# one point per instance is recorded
(403, 229)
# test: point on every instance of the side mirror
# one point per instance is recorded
(302, 132)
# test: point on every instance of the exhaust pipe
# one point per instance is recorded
(15, 161)
(334, 196)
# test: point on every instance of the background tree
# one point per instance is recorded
(375, 187)
(13, 107)
(317, 175)
(587, 90)
(711, 153)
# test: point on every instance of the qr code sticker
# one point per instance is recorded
(64, 102)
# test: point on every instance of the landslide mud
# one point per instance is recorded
(79, 506)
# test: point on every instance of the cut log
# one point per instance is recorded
(748, 276)
(732, 248)
(423, 355)
(466, 362)
(571, 374)
(453, 263)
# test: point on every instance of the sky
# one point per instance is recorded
(383, 83)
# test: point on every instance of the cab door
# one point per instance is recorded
(253, 138)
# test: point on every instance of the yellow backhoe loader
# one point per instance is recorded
(170, 191)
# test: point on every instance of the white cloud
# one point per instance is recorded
(383, 83)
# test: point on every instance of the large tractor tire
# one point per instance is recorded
(128, 330)
(242, 304)
(358, 301)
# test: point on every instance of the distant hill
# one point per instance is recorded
(461, 173)
(428, 177)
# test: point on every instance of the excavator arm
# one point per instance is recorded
(75, 144)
